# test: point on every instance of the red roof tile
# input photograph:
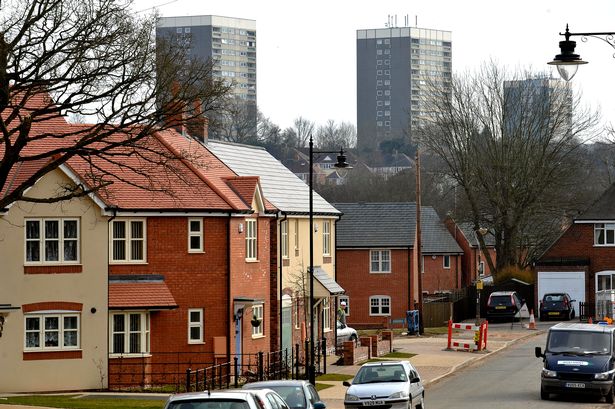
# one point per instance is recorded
(140, 295)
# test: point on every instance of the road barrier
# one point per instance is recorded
(479, 343)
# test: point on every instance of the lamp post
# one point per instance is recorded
(568, 62)
(479, 284)
(341, 164)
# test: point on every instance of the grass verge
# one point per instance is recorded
(339, 377)
(74, 402)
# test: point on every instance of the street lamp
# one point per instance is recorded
(479, 284)
(341, 164)
(568, 62)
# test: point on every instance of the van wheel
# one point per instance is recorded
(610, 397)
(544, 395)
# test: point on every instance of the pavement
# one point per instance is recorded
(432, 360)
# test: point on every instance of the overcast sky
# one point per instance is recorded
(306, 50)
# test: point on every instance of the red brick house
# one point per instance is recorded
(376, 259)
(582, 260)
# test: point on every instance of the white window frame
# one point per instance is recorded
(41, 240)
(284, 238)
(607, 229)
(446, 261)
(326, 314)
(296, 313)
(144, 332)
(380, 301)
(195, 233)
(195, 324)
(296, 235)
(61, 330)
(128, 240)
(251, 239)
(257, 311)
(380, 261)
(347, 300)
(326, 237)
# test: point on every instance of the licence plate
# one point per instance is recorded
(500, 307)
(574, 385)
(554, 313)
(373, 402)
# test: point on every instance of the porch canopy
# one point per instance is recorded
(325, 285)
(146, 291)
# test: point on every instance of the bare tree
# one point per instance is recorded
(509, 142)
(303, 128)
(95, 61)
(237, 122)
(336, 136)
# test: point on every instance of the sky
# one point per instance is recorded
(306, 50)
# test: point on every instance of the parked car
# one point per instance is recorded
(503, 305)
(557, 305)
(345, 333)
(390, 384)
(578, 359)
(297, 394)
(236, 399)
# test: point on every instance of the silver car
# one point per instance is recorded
(239, 399)
(298, 394)
(345, 333)
(390, 384)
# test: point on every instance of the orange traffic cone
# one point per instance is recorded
(532, 321)
(590, 321)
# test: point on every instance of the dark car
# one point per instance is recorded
(503, 305)
(297, 394)
(557, 305)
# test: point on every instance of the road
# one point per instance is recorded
(509, 379)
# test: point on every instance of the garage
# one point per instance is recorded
(571, 282)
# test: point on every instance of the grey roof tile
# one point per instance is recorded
(280, 186)
(602, 208)
(392, 225)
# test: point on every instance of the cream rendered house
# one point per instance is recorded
(53, 293)
(290, 195)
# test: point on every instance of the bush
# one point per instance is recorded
(509, 272)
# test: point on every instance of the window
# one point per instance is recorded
(604, 234)
(51, 332)
(52, 240)
(257, 312)
(326, 238)
(380, 305)
(380, 261)
(127, 240)
(344, 298)
(326, 314)
(195, 326)
(251, 239)
(296, 235)
(129, 333)
(446, 261)
(284, 238)
(195, 235)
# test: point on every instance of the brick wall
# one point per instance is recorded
(436, 277)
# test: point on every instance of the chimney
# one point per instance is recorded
(175, 112)
(198, 123)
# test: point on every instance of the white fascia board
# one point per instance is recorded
(593, 221)
(140, 213)
(77, 180)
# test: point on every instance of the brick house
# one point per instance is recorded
(290, 245)
(582, 260)
(474, 264)
(376, 259)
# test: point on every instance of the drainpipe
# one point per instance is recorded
(114, 210)
(229, 306)
(410, 295)
(279, 233)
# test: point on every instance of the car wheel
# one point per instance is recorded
(421, 404)
(610, 397)
(544, 395)
(353, 338)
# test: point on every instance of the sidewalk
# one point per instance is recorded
(432, 360)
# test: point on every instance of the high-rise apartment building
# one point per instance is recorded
(229, 42)
(394, 68)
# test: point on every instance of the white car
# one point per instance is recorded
(345, 333)
(237, 399)
(390, 384)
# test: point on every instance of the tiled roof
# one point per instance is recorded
(602, 208)
(136, 294)
(244, 186)
(327, 281)
(468, 231)
(280, 186)
(392, 225)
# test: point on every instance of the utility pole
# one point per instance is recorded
(419, 250)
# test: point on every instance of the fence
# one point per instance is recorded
(180, 371)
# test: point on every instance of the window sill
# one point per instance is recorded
(196, 251)
(129, 356)
(196, 342)
(52, 268)
(49, 355)
(380, 272)
(258, 336)
(327, 330)
(123, 263)
(252, 260)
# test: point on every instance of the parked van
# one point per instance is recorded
(578, 358)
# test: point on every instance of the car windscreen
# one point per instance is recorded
(384, 373)
(292, 395)
(209, 404)
(554, 298)
(579, 342)
(500, 300)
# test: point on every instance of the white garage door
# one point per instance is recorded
(569, 282)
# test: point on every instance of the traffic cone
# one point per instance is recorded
(590, 321)
(532, 321)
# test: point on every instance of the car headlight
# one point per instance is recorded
(603, 376)
(398, 395)
(350, 397)
(549, 374)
